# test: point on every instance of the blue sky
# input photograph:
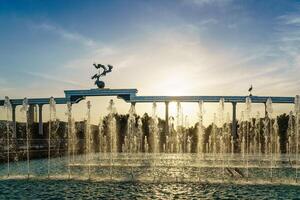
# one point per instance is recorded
(188, 47)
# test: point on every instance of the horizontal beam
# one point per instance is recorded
(34, 101)
(129, 95)
(212, 99)
(77, 95)
(100, 92)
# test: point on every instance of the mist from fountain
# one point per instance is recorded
(241, 133)
(269, 127)
(220, 127)
(129, 145)
(187, 139)
(154, 130)
(102, 139)
(146, 146)
(8, 117)
(112, 128)
(226, 142)
(276, 138)
(213, 137)
(221, 109)
(291, 135)
(52, 121)
(88, 138)
(297, 130)
(200, 129)
(257, 138)
(24, 110)
(139, 136)
(71, 137)
(248, 112)
(178, 136)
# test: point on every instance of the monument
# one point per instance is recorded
(102, 71)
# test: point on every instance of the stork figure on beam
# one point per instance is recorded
(102, 71)
(250, 90)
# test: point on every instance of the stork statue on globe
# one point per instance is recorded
(102, 71)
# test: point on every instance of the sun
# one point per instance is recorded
(175, 84)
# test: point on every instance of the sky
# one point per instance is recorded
(169, 47)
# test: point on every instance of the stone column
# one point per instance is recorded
(234, 126)
(167, 117)
(41, 119)
(31, 114)
(234, 122)
(14, 134)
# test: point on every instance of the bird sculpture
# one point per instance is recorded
(102, 71)
(250, 90)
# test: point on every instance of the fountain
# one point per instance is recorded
(213, 137)
(112, 137)
(178, 136)
(8, 111)
(146, 146)
(257, 141)
(247, 134)
(154, 131)
(269, 132)
(291, 135)
(88, 139)
(140, 148)
(71, 136)
(200, 128)
(52, 121)
(131, 130)
(24, 110)
(139, 140)
(154, 151)
(297, 130)
(102, 139)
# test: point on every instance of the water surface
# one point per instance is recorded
(64, 189)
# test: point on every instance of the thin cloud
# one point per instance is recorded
(98, 54)
(55, 79)
(170, 51)
(171, 54)
(72, 36)
(208, 2)
(290, 19)
(289, 37)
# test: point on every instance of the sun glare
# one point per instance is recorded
(175, 84)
